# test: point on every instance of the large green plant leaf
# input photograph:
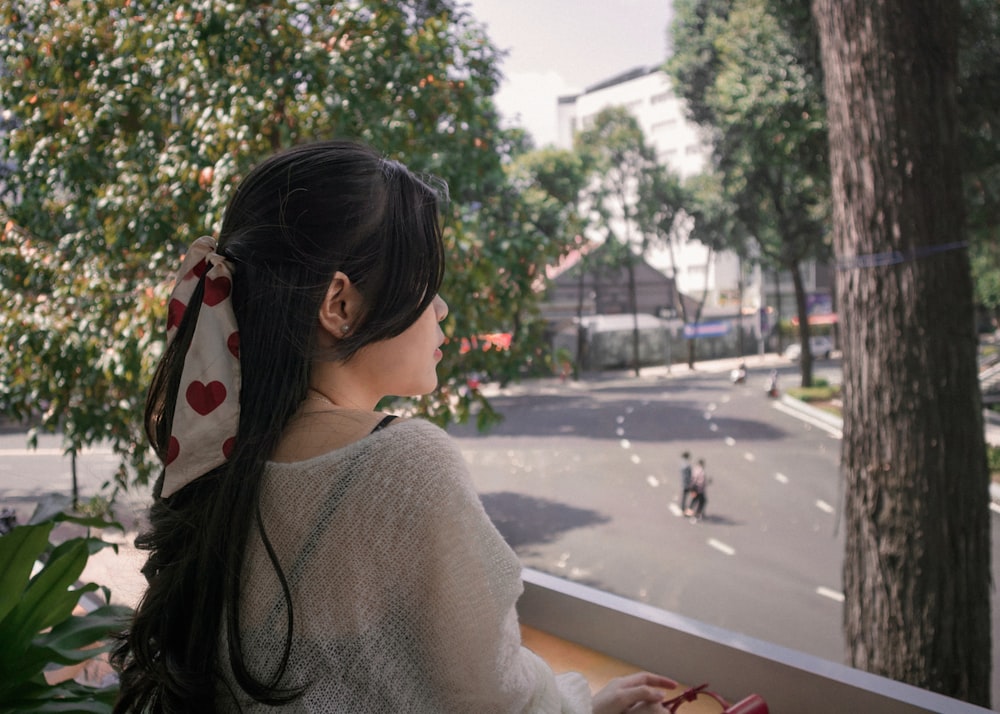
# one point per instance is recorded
(19, 550)
(45, 602)
(39, 696)
(64, 644)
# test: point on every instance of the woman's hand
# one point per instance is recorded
(637, 693)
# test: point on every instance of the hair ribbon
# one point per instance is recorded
(206, 415)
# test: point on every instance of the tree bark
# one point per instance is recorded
(917, 565)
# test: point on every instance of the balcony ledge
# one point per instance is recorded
(733, 664)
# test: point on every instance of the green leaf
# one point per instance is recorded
(46, 601)
(64, 644)
(19, 550)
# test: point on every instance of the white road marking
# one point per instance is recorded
(713, 426)
(653, 481)
(625, 444)
(780, 478)
(832, 594)
(721, 547)
(619, 432)
(824, 506)
(634, 458)
(730, 441)
(619, 419)
(832, 430)
(675, 509)
(89, 451)
(749, 457)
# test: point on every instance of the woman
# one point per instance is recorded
(306, 551)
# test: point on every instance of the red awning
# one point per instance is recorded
(826, 319)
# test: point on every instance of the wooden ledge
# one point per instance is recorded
(599, 668)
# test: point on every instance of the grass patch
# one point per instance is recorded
(816, 393)
(993, 461)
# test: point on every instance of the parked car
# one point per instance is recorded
(820, 346)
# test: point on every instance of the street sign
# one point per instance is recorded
(707, 329)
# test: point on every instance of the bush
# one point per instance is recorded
(993, 459)
(38, 595)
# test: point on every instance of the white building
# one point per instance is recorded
(679, 144)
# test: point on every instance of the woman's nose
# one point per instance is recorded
(440, 308)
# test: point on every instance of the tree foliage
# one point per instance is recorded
(621, 165)
(130, 123)
(750, 74)
(979, 114)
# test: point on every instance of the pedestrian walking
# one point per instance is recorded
(699, 483)
(685, 479)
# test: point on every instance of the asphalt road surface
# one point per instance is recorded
(583, 480)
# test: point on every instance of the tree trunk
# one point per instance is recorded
(917, 565)
(578, 363)
(802, 311)
(634, 307)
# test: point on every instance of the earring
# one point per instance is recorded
(345, 329)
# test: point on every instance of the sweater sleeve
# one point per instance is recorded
(465, 591)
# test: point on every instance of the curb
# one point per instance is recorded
(838, 423)
(821, 414)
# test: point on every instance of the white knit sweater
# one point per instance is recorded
(403, 591)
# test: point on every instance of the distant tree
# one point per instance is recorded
(131, 123)
(529, 222)
(716, 225)
(750, 74)
(917, 566)
(620, 163)
(979, 115)
(672, 213)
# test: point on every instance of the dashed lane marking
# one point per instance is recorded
(832, 594)
(780, 478)
(824, 506)
(721, 547)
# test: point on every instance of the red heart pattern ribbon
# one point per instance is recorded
(208, 407)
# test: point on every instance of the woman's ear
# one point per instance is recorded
(341, 307)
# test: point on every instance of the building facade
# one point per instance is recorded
(728, 285)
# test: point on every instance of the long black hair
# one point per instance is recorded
(294, 221)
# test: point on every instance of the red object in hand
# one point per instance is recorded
(753, 704)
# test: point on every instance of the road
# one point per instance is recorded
(582, 479)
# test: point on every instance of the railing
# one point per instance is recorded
(735, 665)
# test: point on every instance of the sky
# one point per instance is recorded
(561, 47)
